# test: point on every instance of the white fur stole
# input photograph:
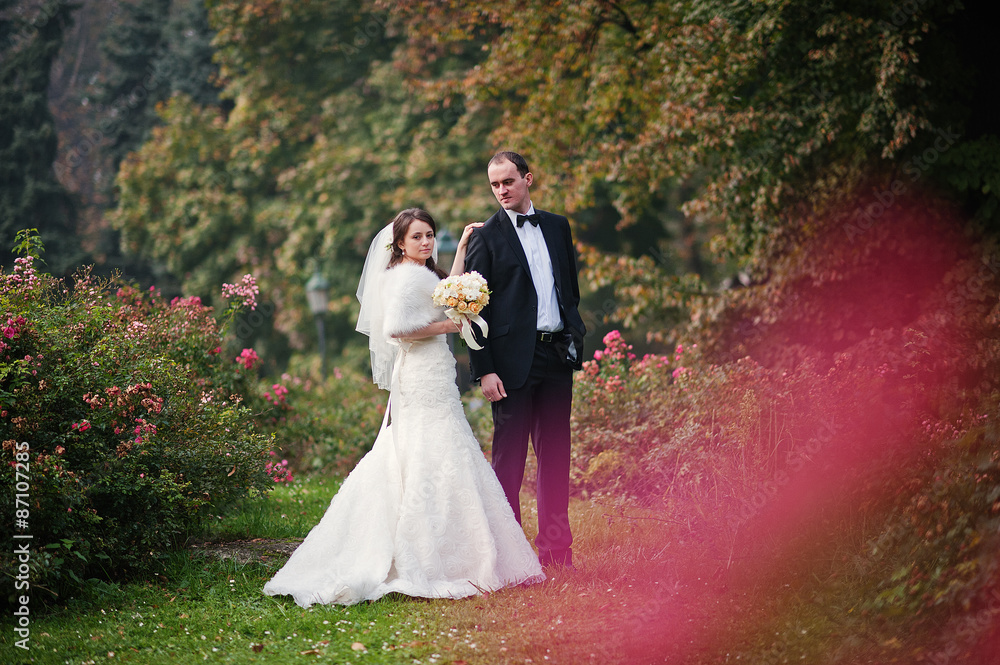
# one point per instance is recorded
(408, 290)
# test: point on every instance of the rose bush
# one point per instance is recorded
(136, 424)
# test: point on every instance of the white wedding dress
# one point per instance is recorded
(422, 514)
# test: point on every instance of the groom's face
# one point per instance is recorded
(510, 188)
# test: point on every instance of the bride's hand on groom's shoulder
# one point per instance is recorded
(458, 266)
(467, 232)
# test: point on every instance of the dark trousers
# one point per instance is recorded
(541, 409)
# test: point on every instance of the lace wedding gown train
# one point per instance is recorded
(422, 513)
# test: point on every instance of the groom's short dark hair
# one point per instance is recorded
(512, 157)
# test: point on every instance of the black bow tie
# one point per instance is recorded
(534, 219)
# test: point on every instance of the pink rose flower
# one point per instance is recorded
(248, 358)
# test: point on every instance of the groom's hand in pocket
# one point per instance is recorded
(492, 387)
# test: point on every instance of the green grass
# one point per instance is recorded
(215, 612)
(289, 511)
(646, 591)
(201, 609)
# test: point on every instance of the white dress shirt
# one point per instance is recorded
(540, 265)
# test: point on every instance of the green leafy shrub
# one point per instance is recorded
(129, 421)
(678, 429)
(323, 426)
(847, 405)
(936, 550)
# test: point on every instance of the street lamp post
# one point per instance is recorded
(316, 294)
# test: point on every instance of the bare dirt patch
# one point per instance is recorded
(262, 550)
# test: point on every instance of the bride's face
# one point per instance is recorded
(418, 243)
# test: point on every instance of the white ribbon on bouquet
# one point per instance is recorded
(464, 321)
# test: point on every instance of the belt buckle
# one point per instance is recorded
(545, 336)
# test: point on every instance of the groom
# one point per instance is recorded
(535, 341)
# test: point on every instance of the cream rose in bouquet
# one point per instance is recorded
(465, 296)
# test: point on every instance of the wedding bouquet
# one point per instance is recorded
(465, 296)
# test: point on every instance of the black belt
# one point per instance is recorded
(545, 336)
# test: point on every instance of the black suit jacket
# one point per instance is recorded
(496, 253)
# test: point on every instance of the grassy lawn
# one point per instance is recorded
(645, 591)
(203, 609)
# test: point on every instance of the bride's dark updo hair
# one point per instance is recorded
(401, 226)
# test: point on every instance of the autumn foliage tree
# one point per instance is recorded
(322, 145)
(780, 114)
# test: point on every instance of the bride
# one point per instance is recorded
(422, 514)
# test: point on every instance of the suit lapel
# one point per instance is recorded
(552, 243)
(510, 235)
